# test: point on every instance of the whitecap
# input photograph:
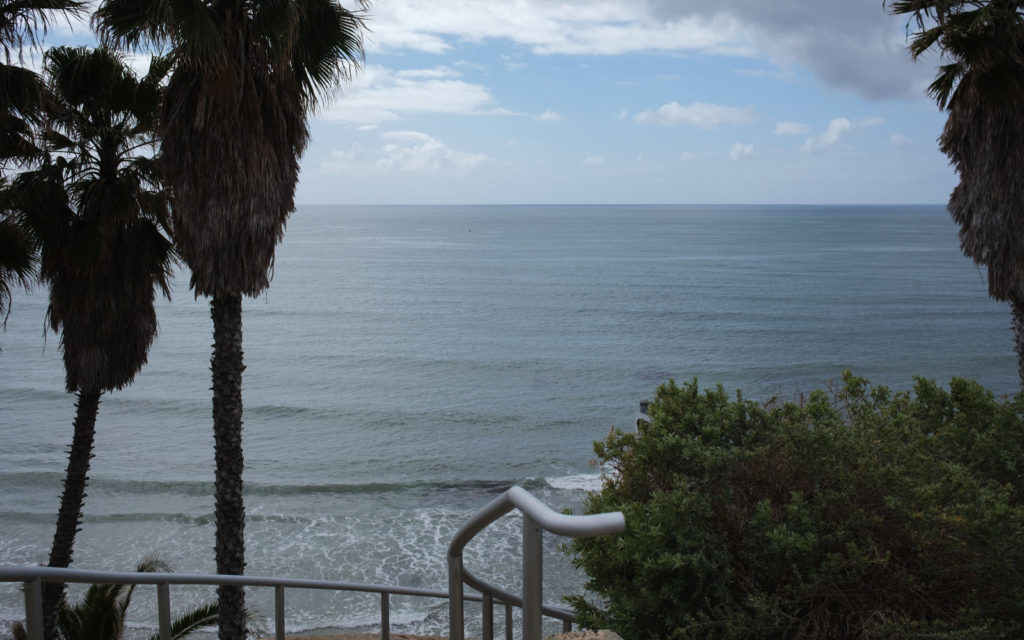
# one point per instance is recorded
(580, 482)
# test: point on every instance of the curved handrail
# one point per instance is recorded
(558, 523)
(536, 516)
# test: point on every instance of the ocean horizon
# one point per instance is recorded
(409, 363)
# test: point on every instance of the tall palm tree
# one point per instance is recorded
(981, 86)
(22, 101)
(99, 214)
(233, 126)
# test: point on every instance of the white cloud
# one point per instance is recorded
(342, 161)
(65, 26)
(855, 45)
(836, 131)
(788, 128)
(407, 151)
(550, 116)
(871, 122)
(378, 94)
(852, 45)
(738, 151)
(428, 74)
(586, 27)
(699, 114)
(470, 64)
(899, 140)
(686, 156)
(593, 161)
(414, 151)
(398, 35)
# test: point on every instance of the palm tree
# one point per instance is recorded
(981, 86)
(102, 611)
(233, 126)
(22, 24)
(98, 211)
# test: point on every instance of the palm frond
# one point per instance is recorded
(132, 24)
(22, 90)
(88, 78)
(328, 47)
(96, 616)
(18, 631)
(149, 564)
(159, 67)
(195, 29)
(24, 100)
(23, 23)
(942, 87)
(924, 41)
(191, 25)
(18, 260)
(202, 616)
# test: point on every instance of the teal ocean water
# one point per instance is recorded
(410, 363)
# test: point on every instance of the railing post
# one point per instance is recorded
(508, 621)
(279, 612)
(163, 606)
(34, 609)
(532, 578)
(566, 626)
(385, 615)
(488, 617)
(455, 621)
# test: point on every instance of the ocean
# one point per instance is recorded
(409, 363)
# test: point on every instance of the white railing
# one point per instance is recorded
(33, 577)
(537, 517)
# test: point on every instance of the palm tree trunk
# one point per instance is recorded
(227, 367)
(1017, 308)
(70, 514)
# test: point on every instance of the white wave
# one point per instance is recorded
(581, 481)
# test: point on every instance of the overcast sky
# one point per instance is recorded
(615, 101)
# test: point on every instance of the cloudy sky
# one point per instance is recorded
(639, 101)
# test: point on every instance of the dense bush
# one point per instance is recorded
(854, 513)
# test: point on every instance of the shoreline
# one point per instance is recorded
(572, 635)
(355, 636)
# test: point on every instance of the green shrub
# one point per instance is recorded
(855, 513)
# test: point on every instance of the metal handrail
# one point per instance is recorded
(537, 516)
(33, 576)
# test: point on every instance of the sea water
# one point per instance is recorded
(410, 363)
